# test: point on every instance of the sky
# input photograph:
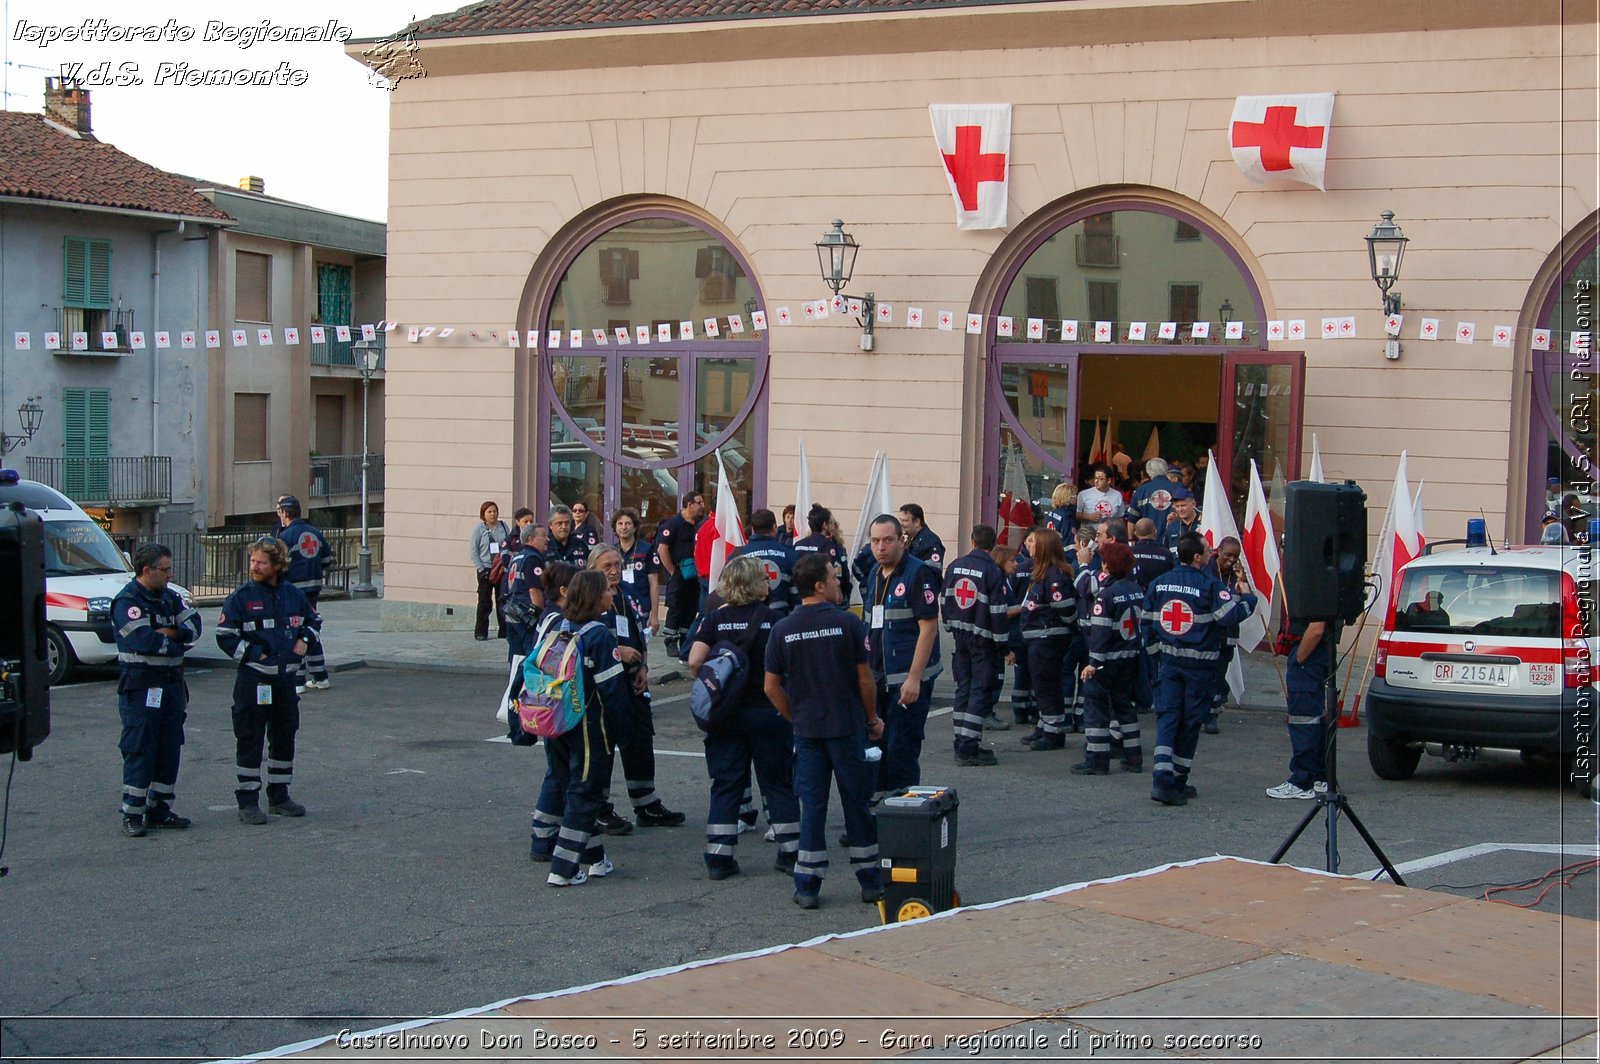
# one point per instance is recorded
(318, 135)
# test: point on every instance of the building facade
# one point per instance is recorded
(567, 167)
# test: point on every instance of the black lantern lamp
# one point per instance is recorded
(836, 256)
(1386, 245)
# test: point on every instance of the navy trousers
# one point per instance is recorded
(151, 745)
(840, 762)
(757, 737)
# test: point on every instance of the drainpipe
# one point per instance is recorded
(155, 353)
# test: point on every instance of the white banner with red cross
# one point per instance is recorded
(975, 146)
(1282, 136)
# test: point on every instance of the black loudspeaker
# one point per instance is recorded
(1325, 550)
(24, 653)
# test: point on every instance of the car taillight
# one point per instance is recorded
(1576, 667)
(1380, 660)
(66, 602)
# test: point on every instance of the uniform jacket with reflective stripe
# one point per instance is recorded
(985, 615)
(261, 623)
(780, 598)
(927, 548)
(1049, 607)
(1116, 602)
(1209, 606)
(897, 639)
(308, 553)
(146, 657)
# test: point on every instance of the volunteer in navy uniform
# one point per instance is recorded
(1063, 517)
(1304, 676)
(1186, 611)
(901, 601)
(586, 527)
(1153, 498)
(638, 752)
(524, 599)
(564, 544)
(921, 543)
(1184, 519)
(675, 551)
(1151, 558)
(265, 625)
(1049, 625)
(818, 678)
(1226, 567)
(153, 627)
(820, 542)
(756, 735)
(974, 612)
(776, 559)
(308, 553)
(641, 580)
(1110, 724)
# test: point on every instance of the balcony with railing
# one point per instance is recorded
(144, 480)
(335, 475)
(338, 355)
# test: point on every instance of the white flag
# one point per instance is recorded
(802, 491)
(1316, 461)
(974, 146)
(1282, 136)
(728, 534)
(879, 500)
(1259, 552)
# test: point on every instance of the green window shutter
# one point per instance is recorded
(86, 280)
(74, 441)
(97, 475)
(75, 284)
(99, 274)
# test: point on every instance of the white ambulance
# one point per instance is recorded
(1488, 649)
(83, 572)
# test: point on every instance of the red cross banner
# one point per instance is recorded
(975, 146)
(1282, 136)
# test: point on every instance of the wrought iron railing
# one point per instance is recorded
(335, 353)
(340, 474)
(213, 564)
(144, 480)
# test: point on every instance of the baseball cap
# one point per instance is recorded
(289, 505)
(1550, 515)
(1180, 492)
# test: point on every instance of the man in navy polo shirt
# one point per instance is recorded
(817, 677)
(901, 600)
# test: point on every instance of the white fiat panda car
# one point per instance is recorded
(1486, 648)
(83, 571)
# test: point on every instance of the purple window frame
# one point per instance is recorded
(999, 414)
(689, 352)
(1546, 421)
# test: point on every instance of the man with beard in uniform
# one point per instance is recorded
(922, 544)
(901, 602)
(974, 612)
(564, 545)
(1186, 611)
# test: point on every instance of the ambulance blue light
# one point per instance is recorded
(1477, 532)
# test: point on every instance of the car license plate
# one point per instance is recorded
(1458, 672)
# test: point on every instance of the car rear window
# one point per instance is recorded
(1480, 600)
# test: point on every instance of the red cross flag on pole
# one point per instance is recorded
(975, 145)
(1282, 136)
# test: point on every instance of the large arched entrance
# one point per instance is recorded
(1565, 390)
(638, 420)
(1142, 274)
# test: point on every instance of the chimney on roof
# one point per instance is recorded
(66, 102)
(252, 183)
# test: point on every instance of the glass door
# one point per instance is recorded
(1262, 395)
(1031, 443)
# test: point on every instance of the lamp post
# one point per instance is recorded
(836, 255)
(1386, 245)
(29, 415)
(367, 358)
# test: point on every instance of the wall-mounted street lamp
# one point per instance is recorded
(836, 255)
(1386, 246)
(30, 415)
(1225, 314)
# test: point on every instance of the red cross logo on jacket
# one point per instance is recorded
(965, 592)
(1176, 617)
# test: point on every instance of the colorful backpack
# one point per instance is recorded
(551, 702)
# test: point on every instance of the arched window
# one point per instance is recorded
(1103, 348)
(1566, 388)
(638, 420)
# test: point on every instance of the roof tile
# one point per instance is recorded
(40, 161)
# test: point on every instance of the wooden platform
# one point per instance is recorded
(1222, 959)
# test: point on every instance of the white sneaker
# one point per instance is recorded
(771, 835)
(1289, 790)
(563, 881)
(319, 685)
(745, 827)
(599, 870)
(1320, 787)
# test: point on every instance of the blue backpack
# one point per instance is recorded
(719, 685)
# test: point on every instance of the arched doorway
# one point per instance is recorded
(1136, 270)
(1565, 390)
(638, 420)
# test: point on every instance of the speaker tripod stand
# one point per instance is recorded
(1331, 803)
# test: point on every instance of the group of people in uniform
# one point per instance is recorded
(270, 626)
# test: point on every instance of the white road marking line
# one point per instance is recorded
(403, 771)
(1465, 853)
